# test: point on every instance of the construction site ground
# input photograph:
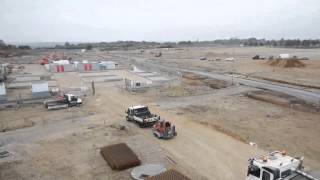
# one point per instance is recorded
(215, 120)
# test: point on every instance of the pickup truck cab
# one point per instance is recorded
(141, 115)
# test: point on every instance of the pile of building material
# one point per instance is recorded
(120, 156)
(169, 175)
(286, 63)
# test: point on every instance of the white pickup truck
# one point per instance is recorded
(278, 166)
(141, 115)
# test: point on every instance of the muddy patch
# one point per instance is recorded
(198, 80)
(283, 99)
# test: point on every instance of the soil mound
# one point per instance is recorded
(286, 63)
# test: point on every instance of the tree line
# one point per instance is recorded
(294, 43)
(5, 46)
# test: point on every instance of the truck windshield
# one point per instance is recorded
(142, 111)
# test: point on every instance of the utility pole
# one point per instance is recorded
(233, 65)
(93, 88)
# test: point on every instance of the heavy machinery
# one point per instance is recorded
(65, 101)
(277, 166)
(44, 61)
(141, 115)
(164, 130)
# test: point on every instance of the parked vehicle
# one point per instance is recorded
(277, 166)
(67, 100)
(141, 115)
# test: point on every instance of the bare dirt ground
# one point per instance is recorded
(68, 141)
(215, 121)
(243, 64)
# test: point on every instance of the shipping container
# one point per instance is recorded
(40, 89)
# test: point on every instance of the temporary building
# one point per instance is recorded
(40, 89)
(108, 65)
(3, 96)
(60, 67)
(84, 67)
(61, 62)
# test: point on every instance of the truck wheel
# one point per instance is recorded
(141, 125)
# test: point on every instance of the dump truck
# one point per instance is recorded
(164, 130)
(277, 166)
(65, 101)
(141, 115)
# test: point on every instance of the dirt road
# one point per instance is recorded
(211, 153)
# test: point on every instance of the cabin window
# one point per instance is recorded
(254, 170)
(265, 175)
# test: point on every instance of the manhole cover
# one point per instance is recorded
(142, 172)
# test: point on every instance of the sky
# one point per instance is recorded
(156, 20)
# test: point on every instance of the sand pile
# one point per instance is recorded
(286, 63)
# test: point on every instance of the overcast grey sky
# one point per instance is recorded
(156, 20)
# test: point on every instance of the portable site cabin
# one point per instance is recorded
(86, 67)
(136, 85)
(61, 62)
(40, 89)
(104, 65)
(58, 68)
(3, 96)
